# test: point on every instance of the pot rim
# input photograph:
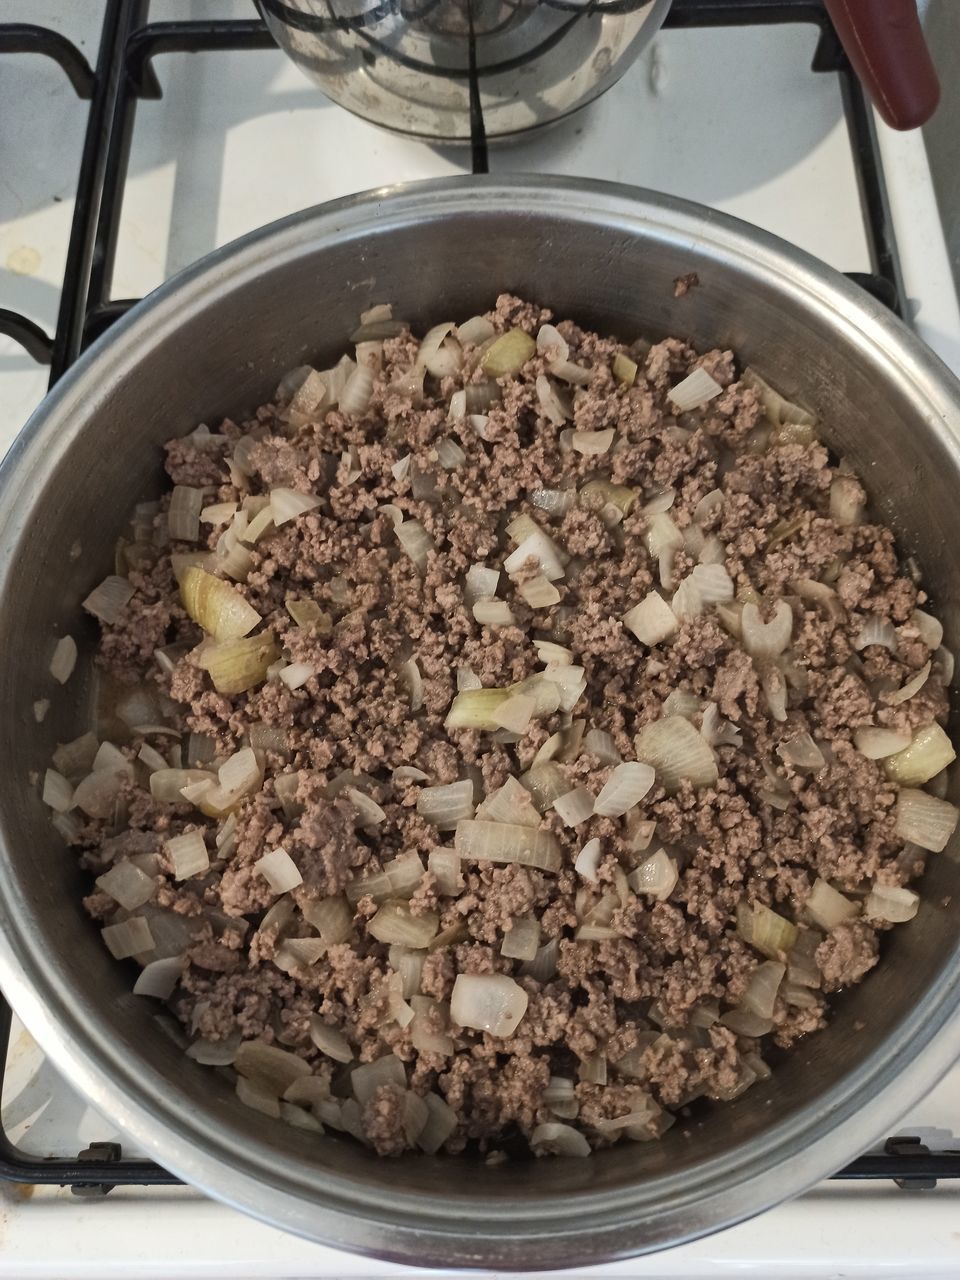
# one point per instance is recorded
(559, 1230)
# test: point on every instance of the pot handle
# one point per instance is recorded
(884, 41)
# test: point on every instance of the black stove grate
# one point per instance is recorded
(122, 76)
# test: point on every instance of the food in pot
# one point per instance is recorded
(507, 736)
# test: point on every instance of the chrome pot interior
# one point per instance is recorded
(216, 340)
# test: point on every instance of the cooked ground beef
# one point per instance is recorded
(642, 988)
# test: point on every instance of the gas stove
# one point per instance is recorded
(126, 160)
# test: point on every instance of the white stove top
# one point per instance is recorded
(732, 118)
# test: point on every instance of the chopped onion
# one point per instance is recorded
(541, 549)
(879, 631)
(876, 743)
(847, 500)
(827, 907)
(695, 390)
(912, 686)
(241, 772)
(778, 410)
(744, 1023)
(522, 940)
(444, 865)
(545, 782)
(329, 1040)
(287, 504)
(505, 842)
(64, 659)
(273, 1069)
(677, 752)
(57, 792)
(357, 390)
(656, 876)
(556, 502)
(108, 601)
(257, 1097)
(556, 1139)
(369, 813)
(475, 331)
(763, 929)
(624, 369)
(446, 805)
(441, 1123)
(395, 922)
(592, 443)
(97, 794)
(295, 675)
(652, 620)
(929, 752)
(279, 870)
(571, 682)
(574, 807)
(238, 665)
(508, 354)
(588, 861)
(416, 542)
(493, 613)
(488, 1002)
(555, 408)
(551, 343)
(366, 1079)
(509, 803)
(766, 639)
(713, 583)
(717, 732)
(890, 902)
(187, 855)
(627, 785)
(802, 751)
(127, 885)
(183, 518)
(924, 820)
(480, 583)
(601, 744)
(761, 993)
(398, 879)
(128, 938)
(928, 628)
(159, 978)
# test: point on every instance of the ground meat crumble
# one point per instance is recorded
(633, 1006)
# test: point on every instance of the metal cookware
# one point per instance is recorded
(216, 340)
(453, 70)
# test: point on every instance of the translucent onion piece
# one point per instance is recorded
(778, 410)
(717, 732)
(827, 907)
(624, 369)
(713, 583)
(329, 1040)
(272, 1068)
(493, 613)
(928, 628)
(258, 1097)
(687, 602)
(416, 542)
(890, 902)
(551, 343)
(488, 1002)
(395, 922)
(574, 807)
(588, 861)
(183, 518)
(127, 885)
(444, 865)
(279, 870)
(627, 785)
(652, 621)
(656, 876)
(504, 842)
(238, 665)
(662, 534)
(449, 454)
(924, 820)
(912, 686)
(876, 743)
(294, 955)
(64, 659)
(603, 492)
(593, 1070)
(409, 965)
(366, 1079)
(398, 879)
(514, 713)
(556, 502)
(357, 390)
(945, 663)
(677, 752)
(522, 940)
(879, 631)
(96, 795)
(480, 583)
(696, 389)
(802, 751)
(475, 331)
(369, 814)
(847, 501)
(166, 785)
(187, 855)
(219, 513)
(441, 1124)
(545, 782)
(766, 639)
(108, 601)
(929, 752)
(571, 682)
(446, 805)
(555, 408)
(508, 354)
(601, 744)
(129, 938)
(744, 1023)
(287, 504)
(295, 675)
(554, 1139)
(509, 803)
(57, 792)
(542, 550)
(159, 978)
(592, 443)
(761, 993)
(763, 929)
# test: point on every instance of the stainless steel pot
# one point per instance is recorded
(452, 70)
(217, 339)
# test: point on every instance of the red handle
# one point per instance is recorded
(884, 41)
